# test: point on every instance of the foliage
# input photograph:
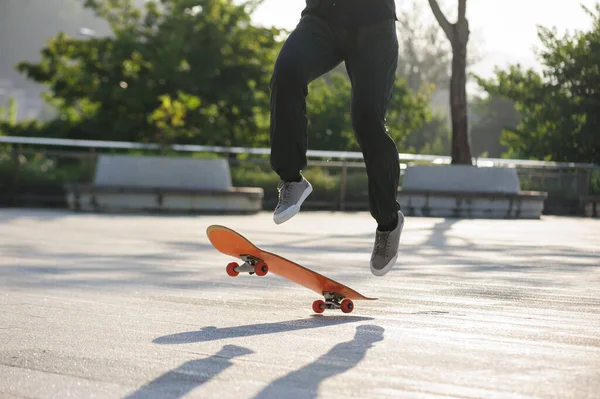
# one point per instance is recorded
(433, 138)
(38, 179)
(191, 71)
(595, 182)
(425, 55)
(490, 116)
(559, 106)
(328, 109)
(8, 116)
(198, 62)
(425, 63)
(8, 112)
(407, 111)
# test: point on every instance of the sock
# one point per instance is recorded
(389, 226)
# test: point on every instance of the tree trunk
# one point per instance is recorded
(461, 151)
(458, 34)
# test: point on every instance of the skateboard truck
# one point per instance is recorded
(333, 301)
(251, 265)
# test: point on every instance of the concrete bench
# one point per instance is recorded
(162, 184)
(590, 205)
(463, 191)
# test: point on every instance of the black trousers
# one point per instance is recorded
(370, 53)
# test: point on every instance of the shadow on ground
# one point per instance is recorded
(190, 375)
(304, 382)
(301, 383)
(213, 333)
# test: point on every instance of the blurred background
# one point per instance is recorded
(196, 72)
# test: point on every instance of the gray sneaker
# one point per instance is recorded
(385, 250)
(291, 197)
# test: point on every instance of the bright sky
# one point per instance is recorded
(504, 30)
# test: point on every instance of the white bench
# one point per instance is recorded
(590, 205)
(464, 191)
(162, 184)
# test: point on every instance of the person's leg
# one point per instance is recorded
(310, 51)
(371, 64)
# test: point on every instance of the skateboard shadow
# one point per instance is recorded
(213, 333)
(190, 375)
(304, 382)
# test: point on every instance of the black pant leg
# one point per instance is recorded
(371, 63)
(311, 50)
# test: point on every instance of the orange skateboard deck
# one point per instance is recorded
(260, 262)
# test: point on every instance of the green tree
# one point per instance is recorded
(424, 63)
(199, 66)
(328, 110)
(424, 56)
(490, 116)
(8, 112)
(559, 106)
(407, 112)
(432, 138)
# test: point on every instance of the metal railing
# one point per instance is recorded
(573, 179)
(343, 155)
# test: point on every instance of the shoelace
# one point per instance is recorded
(382, 243)
(284, 192)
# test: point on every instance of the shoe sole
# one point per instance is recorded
(391, 263)
(386, 269)
(293, 209)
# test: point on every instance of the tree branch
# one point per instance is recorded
(441, 18)
(462, 10)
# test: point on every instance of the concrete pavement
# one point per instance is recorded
(123, 306)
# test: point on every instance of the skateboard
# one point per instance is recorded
(260, 262)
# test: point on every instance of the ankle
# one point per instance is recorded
(388, 226)
(289, 176)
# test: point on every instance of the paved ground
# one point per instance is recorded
(139, 306)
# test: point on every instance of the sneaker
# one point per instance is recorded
(291, 197)
(385, 250)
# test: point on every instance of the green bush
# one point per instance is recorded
(260, 175)
(595, 182)
(326, 183)
(40, 176)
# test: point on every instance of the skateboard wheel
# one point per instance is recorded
(231, 269)
(261, 269)
(347, 306)
(318, 306)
